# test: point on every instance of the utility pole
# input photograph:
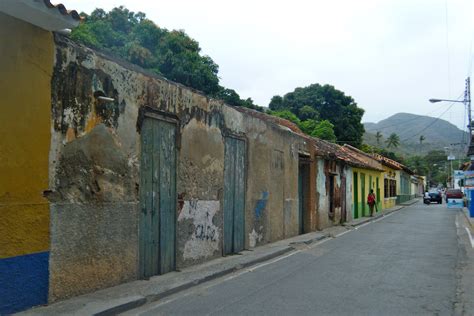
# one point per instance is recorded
(467, 102)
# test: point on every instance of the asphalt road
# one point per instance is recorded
(403, 264)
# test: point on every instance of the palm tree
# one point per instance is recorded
(378, 136)
(422, 138)
(393, 140)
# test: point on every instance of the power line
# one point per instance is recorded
(436, 120)
(413, 119)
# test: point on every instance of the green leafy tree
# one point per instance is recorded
(308, 126)
(308, 113)
(393, 140)
(287, 115)
(324, 130)
(173, 54)
(328, 104)
(417, 164)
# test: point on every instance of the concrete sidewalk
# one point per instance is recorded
(130, 295)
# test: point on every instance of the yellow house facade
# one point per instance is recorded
(365, 180)
(390, 187)
(25, 133)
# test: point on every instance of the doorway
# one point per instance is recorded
(157, 223)
(234, 195)
(303, 193)
(356, 195)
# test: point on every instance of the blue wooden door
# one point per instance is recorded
(157, 231)
(234, 195)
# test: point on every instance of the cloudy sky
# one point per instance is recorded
(390, 55)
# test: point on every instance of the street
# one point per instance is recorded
(402, 264)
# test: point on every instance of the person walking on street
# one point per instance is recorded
(371, 202)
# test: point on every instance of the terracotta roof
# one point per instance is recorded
(62, 9)
(388, 162)
(41, 13)
(393, 164)
(365, 159)
(333, 151)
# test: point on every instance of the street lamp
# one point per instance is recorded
(467, 103)
(439, 100)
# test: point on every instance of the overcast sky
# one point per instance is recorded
(390, 55)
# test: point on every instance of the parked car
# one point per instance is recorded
(435, 196)
(454, 194)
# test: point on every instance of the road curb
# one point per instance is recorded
(120, 308)
(139, 301)
(309, 241)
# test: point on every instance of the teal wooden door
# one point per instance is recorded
(157, 231)
(234, 195)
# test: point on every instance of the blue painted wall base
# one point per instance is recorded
(23, 282)
(471, 204)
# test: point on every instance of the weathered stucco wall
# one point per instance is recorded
(95, 172)
(26, 68)
(342, 177)
(349, 191)
(272, 185)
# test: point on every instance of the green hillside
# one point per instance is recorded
(437, 134)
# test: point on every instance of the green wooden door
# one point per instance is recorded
(362, 188)
(157, 231)
(356, 195)
(379, 207)
(234, 195)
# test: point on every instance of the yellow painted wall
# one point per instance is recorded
(363, 199)
(389, 202)
(26, 66)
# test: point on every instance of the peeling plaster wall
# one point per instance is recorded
(322, 197)
(272, 183)
(349, 190)
(95, 171)
(341, 196)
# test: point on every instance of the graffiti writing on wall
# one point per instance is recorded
(203, 232)
(261, 204)
(203, 238)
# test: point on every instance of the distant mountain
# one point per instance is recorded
(438, 133)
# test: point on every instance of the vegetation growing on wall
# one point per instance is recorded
(172, 54)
